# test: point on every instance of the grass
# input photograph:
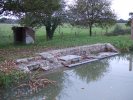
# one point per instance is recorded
(6, 34)
(9, 79)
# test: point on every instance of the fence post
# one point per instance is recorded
(75, 33)
(132, 28)
(61, 34)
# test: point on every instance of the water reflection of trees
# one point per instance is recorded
(93, 71)
(50, 91)
(122, 56)
(125, 57)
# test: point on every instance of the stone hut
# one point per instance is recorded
(25, 35)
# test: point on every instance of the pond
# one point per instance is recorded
(107, 79)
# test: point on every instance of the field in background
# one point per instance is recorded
(65, 36)
(6, 34)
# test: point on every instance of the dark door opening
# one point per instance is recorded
(19, 34)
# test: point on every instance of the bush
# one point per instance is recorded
(9, 79)
(118, 30)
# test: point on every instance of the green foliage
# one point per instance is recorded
(130, 19)
(10, 79)
(90, 12)
(128, 22)
(119, 30)
(35, 13)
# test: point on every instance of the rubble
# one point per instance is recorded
(67, 57)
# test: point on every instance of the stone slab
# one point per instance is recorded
(81, 63)
(105, 55)
(70, 58)
(100, 56)
(24, 60)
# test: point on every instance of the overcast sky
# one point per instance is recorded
(121, 8)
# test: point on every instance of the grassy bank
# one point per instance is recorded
(68, 38)
(65, 37)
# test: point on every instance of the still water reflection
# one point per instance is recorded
(108, 79)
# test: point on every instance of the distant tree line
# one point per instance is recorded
(9, 21)
(122, 21)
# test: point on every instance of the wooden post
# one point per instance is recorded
(132, 28)
(62, 34)
(59, 30)
(75, 33)
(130, 63)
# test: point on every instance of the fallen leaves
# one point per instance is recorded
(8, 66)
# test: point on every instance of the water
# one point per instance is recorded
(108, 79)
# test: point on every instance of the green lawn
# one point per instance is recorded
(10, 51)
(65, 31)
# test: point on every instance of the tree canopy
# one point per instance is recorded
(130, 19)
(90, 12)
(36, 13)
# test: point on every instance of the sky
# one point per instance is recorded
(121, 8)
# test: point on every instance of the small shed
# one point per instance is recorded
(25, 35)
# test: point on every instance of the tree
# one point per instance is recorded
(1, 7)
(128, 24)
(130, 19)
(8, 20)
(37, 13)
(90, 12)
(121, 21)
(107, 22)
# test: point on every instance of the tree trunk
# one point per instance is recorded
(49, 33)
(51, 26)
(90, 30)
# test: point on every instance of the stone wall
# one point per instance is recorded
(88, 49)
(51, 59)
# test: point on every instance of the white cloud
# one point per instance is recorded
(121, 7)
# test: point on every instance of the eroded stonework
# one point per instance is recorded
(67, 57)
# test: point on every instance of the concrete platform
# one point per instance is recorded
(100, 56)
(81, 63)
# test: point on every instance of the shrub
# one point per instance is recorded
(9, 79)
(118, 30)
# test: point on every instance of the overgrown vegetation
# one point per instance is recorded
(9, 75)
(118, 30)
(10, 79)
